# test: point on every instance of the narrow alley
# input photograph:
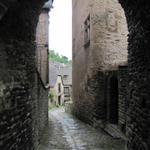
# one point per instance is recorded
(91, 57)
(68, 133)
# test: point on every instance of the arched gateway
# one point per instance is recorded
(138, 19)
(18, 20)
(20, 84)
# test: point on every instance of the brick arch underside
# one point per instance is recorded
(18, 124)
(138, 120)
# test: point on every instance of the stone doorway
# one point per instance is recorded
(112, 100)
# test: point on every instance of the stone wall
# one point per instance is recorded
(42, 45)
(94, 64)
(18, 95)
(138, 19)
(90, 105)
(42, 72)
(15, 119)
(42, 107)
(123, 96)
(138, 131)
(17, 100)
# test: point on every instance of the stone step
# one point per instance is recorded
(114, 131)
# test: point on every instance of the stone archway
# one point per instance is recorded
(138, 19)
(18, 99)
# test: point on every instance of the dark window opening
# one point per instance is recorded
(65, 76)
(66, 90)
(59, 100)
(59, 87)
(87, 32)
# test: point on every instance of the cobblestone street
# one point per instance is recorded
(68, 133)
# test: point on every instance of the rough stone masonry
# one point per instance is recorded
(138, 19)
(18, 79)
(94, 63)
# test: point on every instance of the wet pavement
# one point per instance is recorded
(65, 132)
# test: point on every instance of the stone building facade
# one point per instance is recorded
(90, 85)
(66, 74)
(58, 92)
(60, 79)
(23, 96)
(99, 50)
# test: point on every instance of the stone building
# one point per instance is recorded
(66, 73)
(60, 79)
(23, 93)
(58, 92)
(99, 52)
(56, 85)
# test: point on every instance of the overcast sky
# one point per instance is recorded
(61, 27)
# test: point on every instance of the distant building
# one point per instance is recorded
(56, 94)
(66, 73)
(60, 80)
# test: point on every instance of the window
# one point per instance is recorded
(87, 32)
(66, 90)
(65, 76)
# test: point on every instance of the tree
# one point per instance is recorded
(58, 58)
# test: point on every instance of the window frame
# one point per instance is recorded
(87, 29)
(66, 92)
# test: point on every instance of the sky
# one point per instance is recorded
(60, 35)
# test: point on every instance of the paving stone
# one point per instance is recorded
(66, 132)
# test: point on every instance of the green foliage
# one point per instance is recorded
(53, 56)
(51, 95)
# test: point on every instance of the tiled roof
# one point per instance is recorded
(66, 73)
(60, 69)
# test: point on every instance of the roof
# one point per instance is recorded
(66, 73)
(53, 72)
(59, 69)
